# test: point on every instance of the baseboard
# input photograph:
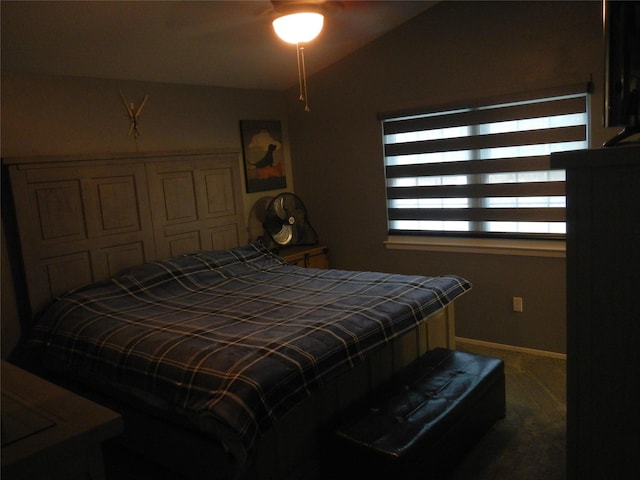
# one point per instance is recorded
(513, 348)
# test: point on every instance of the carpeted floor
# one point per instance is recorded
(530, 442)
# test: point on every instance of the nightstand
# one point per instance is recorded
(306, 256)
(49, 432)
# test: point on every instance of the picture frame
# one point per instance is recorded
(264, 165)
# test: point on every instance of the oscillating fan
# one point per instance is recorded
(286, 221)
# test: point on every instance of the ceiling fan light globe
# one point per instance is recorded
(299, 27)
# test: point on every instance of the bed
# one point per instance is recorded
(225, 361)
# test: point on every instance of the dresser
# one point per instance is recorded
(49, 432)
(603, 311)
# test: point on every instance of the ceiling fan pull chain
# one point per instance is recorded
(302, 77)
(298, 56)
(304, 80)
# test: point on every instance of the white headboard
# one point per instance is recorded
(82, 220)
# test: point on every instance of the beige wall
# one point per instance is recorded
(56, 115)
(454, 52)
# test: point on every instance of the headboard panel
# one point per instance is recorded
(85, 220)
(195, 204)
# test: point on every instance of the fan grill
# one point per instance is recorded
(286, 221)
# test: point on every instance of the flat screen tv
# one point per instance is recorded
(621, 20)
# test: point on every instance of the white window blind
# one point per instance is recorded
(482, 170)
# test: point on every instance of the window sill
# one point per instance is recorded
(531, 248)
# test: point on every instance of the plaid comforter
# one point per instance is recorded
(230, 340)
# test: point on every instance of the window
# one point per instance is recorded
(482, 171)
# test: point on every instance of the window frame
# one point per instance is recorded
(545, 244)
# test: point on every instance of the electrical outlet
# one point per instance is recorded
(518, 306)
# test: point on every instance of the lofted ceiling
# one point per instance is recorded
(221, 43)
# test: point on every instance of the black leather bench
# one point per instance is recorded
(428, 418)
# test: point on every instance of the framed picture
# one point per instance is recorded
(263, 157)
